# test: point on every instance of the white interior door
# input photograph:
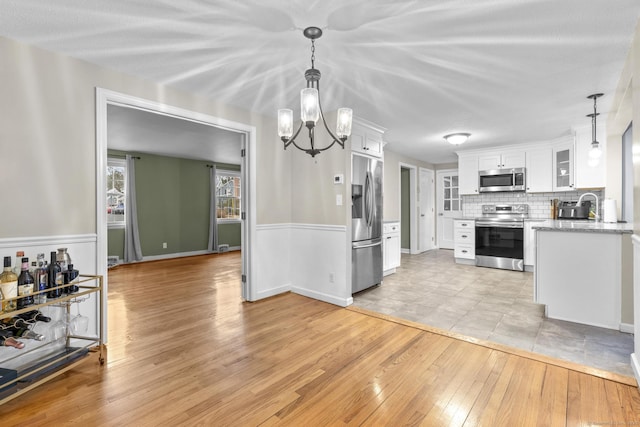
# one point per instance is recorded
(426, 220)
(449, 206)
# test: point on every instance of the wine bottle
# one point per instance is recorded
(11, 342)
(55, 278)
(8, 286)
(18, 323)
(25, 285)
(70, 276)
(17, 268)
(41, 275)
(28, 334)
(34, 316)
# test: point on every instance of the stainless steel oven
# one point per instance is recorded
(500, 237)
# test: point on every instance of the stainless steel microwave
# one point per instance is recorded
(502, 180)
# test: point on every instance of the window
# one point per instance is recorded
(451, 198)
(116, 178)
(228, 195)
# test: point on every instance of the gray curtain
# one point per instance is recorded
(132, 248)
(213, 218)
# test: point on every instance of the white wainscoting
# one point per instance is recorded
(319, 263)
(273, 254)
(635, 356)
(308, 259)
(82, 250)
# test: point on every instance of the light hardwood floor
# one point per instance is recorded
(184, 350)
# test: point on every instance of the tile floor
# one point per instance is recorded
(491, 304)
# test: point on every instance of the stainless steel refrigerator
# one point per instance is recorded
(366, 214)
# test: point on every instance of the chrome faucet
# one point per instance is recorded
(597, 218)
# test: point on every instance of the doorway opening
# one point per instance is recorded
(449, 205)
(408, 208)
(106, 98)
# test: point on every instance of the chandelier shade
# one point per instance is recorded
(311, 110)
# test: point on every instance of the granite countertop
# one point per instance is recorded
(585, 226)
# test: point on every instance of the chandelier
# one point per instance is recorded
(311, 109)
(595, 152)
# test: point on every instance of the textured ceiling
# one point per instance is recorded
(506, 71)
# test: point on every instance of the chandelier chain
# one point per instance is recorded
(313, 53)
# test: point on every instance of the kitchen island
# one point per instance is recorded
(583, 272)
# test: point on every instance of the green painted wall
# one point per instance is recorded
(173, 207)
(115, 242)
(229, 233)
(405, 221)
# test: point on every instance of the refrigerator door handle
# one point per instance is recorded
(368, 245)
(370, 199)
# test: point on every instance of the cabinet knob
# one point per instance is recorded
(464, 236)
(464, 251)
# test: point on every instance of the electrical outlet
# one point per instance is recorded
(331, 278)
(164, 245)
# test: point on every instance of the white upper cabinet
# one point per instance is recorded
(563, 177)
(501, 160)
(539, 172)
(588, 174)
(468, 174)
(366, 138)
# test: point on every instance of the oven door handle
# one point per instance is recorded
(498, 224)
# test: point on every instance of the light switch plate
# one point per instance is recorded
(338, 199)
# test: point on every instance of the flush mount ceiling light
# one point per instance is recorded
(595, 152)
(457, 138)
(311, 109)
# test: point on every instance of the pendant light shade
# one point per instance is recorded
(309, 111)
(343, 127)
(285, 123)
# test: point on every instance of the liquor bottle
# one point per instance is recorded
(40, 276)
(70, 276)
(8, 286)
(55, 278)
(25, 285)
(17, 268)
(34, 316)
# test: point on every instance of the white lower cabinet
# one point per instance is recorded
(390, 247)
(530, 241)
(464, 242)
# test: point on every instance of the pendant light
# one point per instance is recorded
(595, 152)
(311, 109)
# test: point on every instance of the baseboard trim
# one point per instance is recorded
(627, 328)
(635, 365)
(388, 272)
(175, 255)
(331, 299)
(272, 292)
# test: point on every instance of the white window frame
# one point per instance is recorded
(117, 162)
(234, 174)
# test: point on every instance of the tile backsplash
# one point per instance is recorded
(539, 203)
